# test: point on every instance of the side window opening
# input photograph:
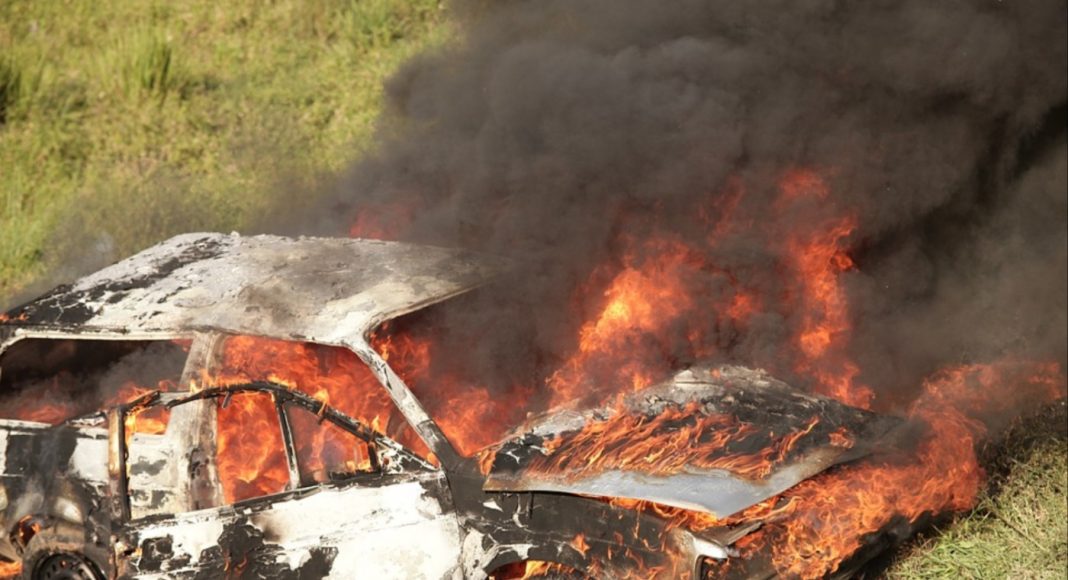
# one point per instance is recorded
(250, 451)
(330, 374)
(251, 457)
(244, 458)
(325, 452)
(52, 380)
(221, 450)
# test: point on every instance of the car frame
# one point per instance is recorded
(463, 517)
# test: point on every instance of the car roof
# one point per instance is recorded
(324, 290)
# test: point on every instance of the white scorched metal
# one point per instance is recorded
(151, 507)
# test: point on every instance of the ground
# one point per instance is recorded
(126, 122)
(1020, 527)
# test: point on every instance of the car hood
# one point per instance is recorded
(711, 439)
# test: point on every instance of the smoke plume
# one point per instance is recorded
(564, 133)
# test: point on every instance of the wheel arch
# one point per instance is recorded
(63, 539)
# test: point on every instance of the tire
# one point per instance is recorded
(51, 558)
(553, 571)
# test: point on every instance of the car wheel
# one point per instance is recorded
(529, 569)
(52, 556)
(65, 567)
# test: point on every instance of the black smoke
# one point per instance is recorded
(554, 131)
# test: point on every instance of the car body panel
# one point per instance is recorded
(325, 532)
(537, 457)
(413, 521)
(322, 290)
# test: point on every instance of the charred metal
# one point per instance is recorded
(130, 505)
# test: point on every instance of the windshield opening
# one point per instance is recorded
(481, 365)
(466, 375)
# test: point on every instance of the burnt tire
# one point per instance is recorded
(51, 558)
(65, 567)
(530, 569)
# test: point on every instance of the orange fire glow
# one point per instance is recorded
(639, 300)
(152, 420)
(815, 526)
(642, 303)
(10, 569)
(51, 406)
(830, 515)
(251, 459)
(646, 298)
(818, 258)
(673, 441)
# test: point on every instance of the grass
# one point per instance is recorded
(1020, 527)
(123, 122)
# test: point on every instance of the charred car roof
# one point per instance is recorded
(324, 290)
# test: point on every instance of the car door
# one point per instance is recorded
(369, 506)
(325, 503)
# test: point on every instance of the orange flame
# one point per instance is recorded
(815, 526)
(251, 461)
(10, 569)
(677, 439)
(818, 258)
(647, 300)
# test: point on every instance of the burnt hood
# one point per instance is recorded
(711, 439)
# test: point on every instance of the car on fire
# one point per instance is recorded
(134, 490)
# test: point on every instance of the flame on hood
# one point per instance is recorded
(712, 439)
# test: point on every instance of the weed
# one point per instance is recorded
(149, 69)
(10, 86)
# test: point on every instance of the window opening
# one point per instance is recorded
(52, 380)
(250, 451)
(326, 452)
(333, 375)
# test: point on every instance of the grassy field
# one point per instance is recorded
(132, 119)
(124, 121)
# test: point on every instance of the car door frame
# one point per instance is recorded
(237, 519)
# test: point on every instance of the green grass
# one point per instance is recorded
(1020, 527)
(125, 121)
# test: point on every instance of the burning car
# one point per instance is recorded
(200, 466)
